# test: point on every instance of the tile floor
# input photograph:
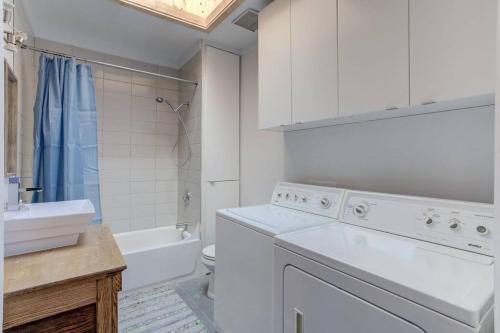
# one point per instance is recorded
(193, 292)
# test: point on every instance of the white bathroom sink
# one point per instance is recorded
(43, 226)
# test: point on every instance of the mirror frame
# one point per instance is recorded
(10, 120)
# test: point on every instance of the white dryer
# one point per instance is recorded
(245, 251)
(397, 264)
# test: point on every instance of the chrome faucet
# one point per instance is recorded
(14, 193)
(181, 226)
(186, 198)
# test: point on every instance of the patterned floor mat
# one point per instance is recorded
(156, 309)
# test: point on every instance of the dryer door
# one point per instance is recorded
(314, 306)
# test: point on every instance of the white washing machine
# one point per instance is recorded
(245, 251)
(396, 265)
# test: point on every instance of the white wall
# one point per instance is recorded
(261, 152)
(446, 155)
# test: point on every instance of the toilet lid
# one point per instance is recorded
(209, 252)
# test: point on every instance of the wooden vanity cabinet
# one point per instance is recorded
(71, 289)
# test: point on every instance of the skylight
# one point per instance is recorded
(201, 14)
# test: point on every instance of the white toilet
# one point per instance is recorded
(208, 259)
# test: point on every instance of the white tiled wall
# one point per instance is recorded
(139, 179)
(190, 174)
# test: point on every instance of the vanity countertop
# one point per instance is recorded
(96, 253)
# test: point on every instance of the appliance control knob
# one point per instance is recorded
(279, 195)
(287, 196)
(304, 199)
(296, 197)
(454, 224)
(325, 203)
(429, 221)
(482, 230)
(361, 210)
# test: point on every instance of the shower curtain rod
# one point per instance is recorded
(24, 46)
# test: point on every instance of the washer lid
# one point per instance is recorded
(273, 220)
(453, 282)
(209, 252)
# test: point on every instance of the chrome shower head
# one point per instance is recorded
(174, 109)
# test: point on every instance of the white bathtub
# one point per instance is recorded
(156, 255)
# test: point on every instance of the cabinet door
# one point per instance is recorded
(221, 115)
(313, 306)
(275, 99)
(314, 60)
(452, 49)
(373, 55)
(217, 195)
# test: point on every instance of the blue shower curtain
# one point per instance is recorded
(65, 133)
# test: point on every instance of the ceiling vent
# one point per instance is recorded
(249, 20)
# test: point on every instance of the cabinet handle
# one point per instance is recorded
(213, 181)
(299, 321)
(389, 108)
(429, 102)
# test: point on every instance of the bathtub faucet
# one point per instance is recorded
(182, 226)
(186, 198)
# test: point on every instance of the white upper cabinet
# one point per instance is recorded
(275, 90)
(452, 49)
(321, 59)
(373, 55)
(314, 60)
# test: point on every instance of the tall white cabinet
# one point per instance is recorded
(220, 136)
(221, 115)
(452, 49)
(373, 55)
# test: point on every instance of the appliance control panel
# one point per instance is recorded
(464, 225)
(320, 200)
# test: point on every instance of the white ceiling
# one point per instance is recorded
(108, 27)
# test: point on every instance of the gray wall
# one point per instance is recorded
(445, 155)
